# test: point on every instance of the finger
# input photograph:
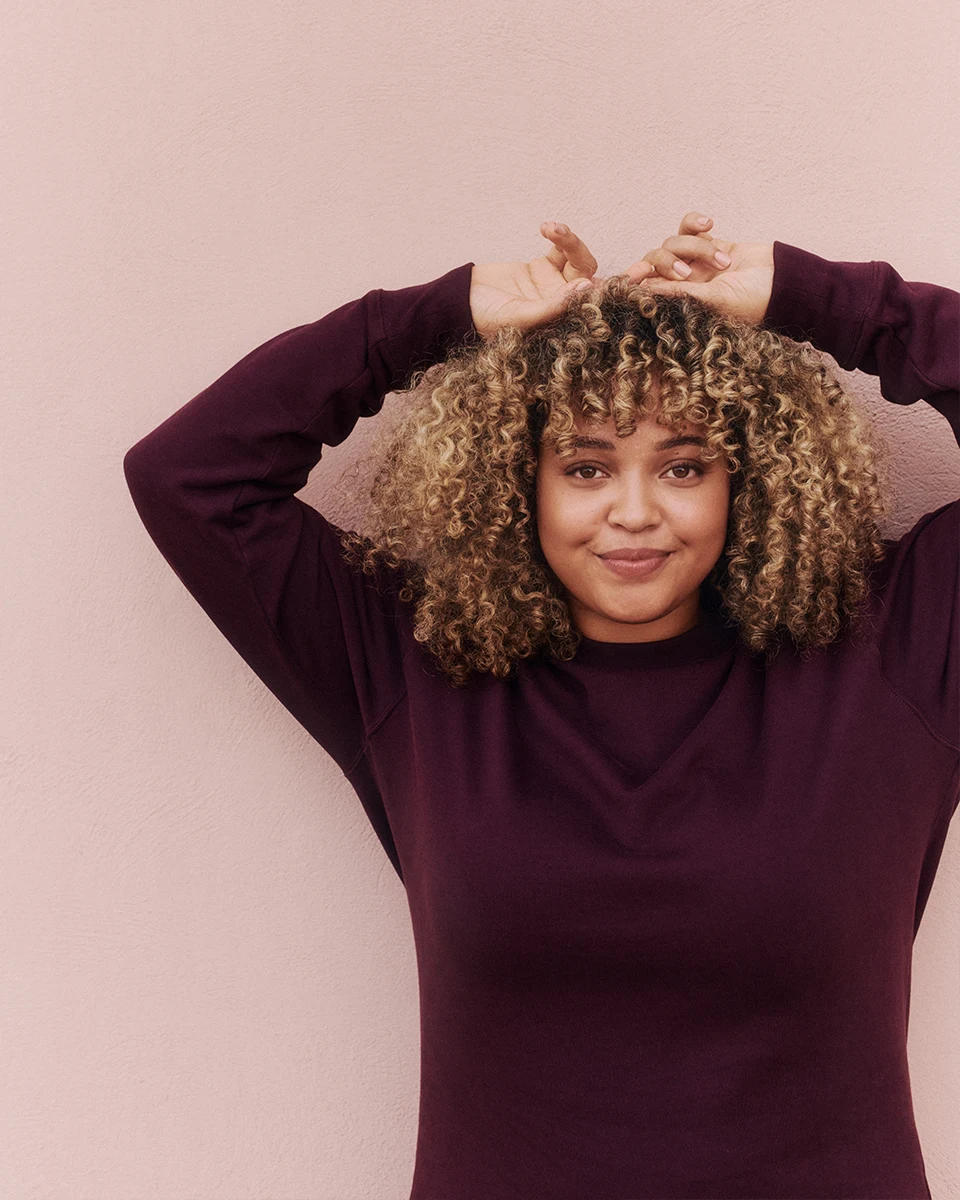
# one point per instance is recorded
(694, 222)
(667, 264)
(672, 265)
(705, 249)
(568, 253)
(639, 270)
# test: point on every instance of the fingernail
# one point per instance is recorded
(703, 221)
(582, 285)
(562, 229)
(681, 268)
(723, 259)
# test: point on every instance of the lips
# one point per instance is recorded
(626, 555)
(645, 567)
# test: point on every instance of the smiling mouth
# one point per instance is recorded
(634, 568)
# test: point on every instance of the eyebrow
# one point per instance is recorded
(592, 443)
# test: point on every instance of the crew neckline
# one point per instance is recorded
(711, 636)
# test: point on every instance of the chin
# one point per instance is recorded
(645, 618)
(634, 614)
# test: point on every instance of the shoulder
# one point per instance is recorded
(915, 606)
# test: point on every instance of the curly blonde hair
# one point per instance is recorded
(452, 505)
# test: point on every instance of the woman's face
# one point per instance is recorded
(629, 493)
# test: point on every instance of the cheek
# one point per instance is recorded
(563, 518)
(712, 519)
(706, 516)
(546, 519)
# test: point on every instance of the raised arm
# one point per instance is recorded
(862, 313)
(908, 334)
(870, 319)
(215, 483)
(214, 486)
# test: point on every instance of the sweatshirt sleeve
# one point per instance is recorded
(215, 486)
(908, 334)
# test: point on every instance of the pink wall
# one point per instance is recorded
(210, 986)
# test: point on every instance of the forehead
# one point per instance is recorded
(644, 425)
(648, 432)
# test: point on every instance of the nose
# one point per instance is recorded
(633, 502)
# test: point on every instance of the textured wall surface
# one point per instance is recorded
(209, 977)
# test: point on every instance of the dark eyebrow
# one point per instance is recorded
(592, 443)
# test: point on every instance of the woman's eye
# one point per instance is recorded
(583, 467)
(687, 466)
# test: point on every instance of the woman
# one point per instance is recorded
(666, 832)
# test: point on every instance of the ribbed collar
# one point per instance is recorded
(712, 636)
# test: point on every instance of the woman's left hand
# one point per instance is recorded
(738, 283)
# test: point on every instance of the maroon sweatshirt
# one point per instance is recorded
(663, 897)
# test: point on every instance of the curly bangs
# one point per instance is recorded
(451, 512)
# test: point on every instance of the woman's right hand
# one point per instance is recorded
(740, 287)
(526, 294)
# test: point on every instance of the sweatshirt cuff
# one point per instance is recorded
(421, 323)
(819, 301)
